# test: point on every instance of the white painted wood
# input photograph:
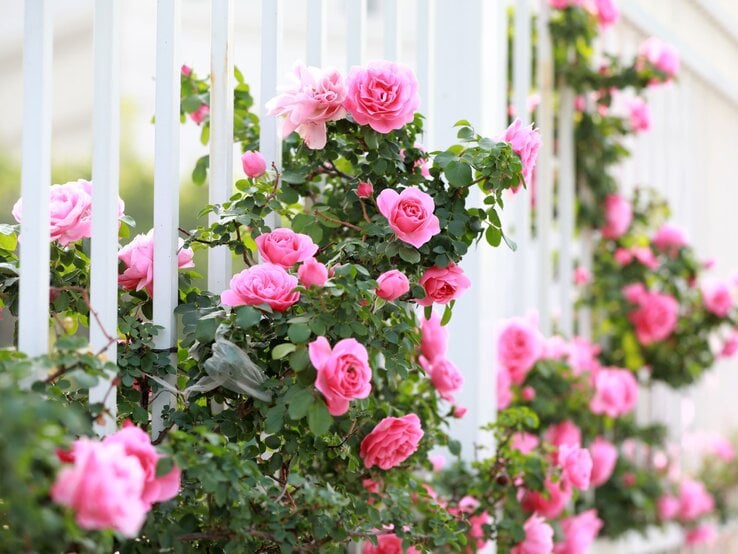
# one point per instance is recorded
(105, 176)
(425, 54)
(566, 209)
(316, 32)
(355, 32)
(221, 132)
(391, 37)
(166, 191)
(33, 323)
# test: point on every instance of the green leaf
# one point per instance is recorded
(510, 243)
(493, 236)
(300, 403)
(200, 173)
(275, 418)
(299, 359)
(447, 313)
(247, 316)
(319, 420)
(410, 255)
(458, 174)
(454, 447)
(462, 123)
(281, 350)
(164, 466)
(298, 332)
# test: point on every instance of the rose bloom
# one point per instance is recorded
(186, 70)
(382, 94)
(409, 214)
(389, 543)
(438, 461)
(555, 348)
(525, 142)
(717, 297)
(623, 256)
(634, 292)
(655, 318)
(640, 115)
(262, 284)
(315, 98)
(694, 500)
(661, 55)
(576, 465)
(467, 505)
(604, 457)
(563, 4)
(528, 394)
(668, 507)
(669, 239)
(312, 273)
(704, 533)
(722, 448)
(443, 284)
(730, 346)
(552, 503)
(580, 532)
(445, 376)
(504, 391)
(392, 284)
(519, 346)
(138, 257)
(285, 247)
(582, 275)
(199, 115)
(343, 373)
(391, 442)
(618, 216)
(616, 392)
(434, 337)
(583, 356)
(607, 12)
(538, 537)
(524, 442)
(364, 189)
(254, 164)
(567, 432)
(645, 257)
(460, 411)
(104, 487)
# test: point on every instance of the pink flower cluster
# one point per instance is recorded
(661, 55)
(640, 115)
(669, 239)
(525, 142)
(445, 376)
(618, 216)
(692, 502)
(616, 392)
(519, 346)
(718, 298)
(656, 314)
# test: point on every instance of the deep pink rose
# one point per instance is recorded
(343, 374)
(618, 216)
(262, 284)
(704, 533)
(409, 214)
(443, 284)
(661, 55)
(717, 297)
(254, 164)
(668, 507)
(312, 273)
(640, 115)
(655, 318)
(576, 465)
(285, 247)
(104, 486)
(519, 346)
(524, 442)
(565, 433)
(607, 12)
(186, 70)
(445, 376)
(580, 532)
(315, 98)
(382, 94)
(525, 142)
(694, 500)
(552, 503)
(460, 411)
(434, 337)
(392, 284)
(199, 115)
(138, 257)
(616, 392)
(504, 391)
(364, 189)
(669, 239)
(391, 442)
(538, 537)
(604, 456)
(527, 394)
(389, 543)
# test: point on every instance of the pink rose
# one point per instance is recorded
(580, 532)
(364, 189)
(434, 337)
(722, 448)
(409, 214)
(730, 346)
(445, 376)
(634, 292)
(582, 275)
(564, 433)
(392, 284)
(563, 4)
(694, 500)
(343, 374)
(555, 348)
(616, 392)
(604, 457)
(525, 142)
(645, 257)
(704, 533)
(668, 507)
(576, 465)
(583, 356)
(186, 70)
(661, 55)
(199, 115)
(623, 256)
(312, 273)
(669, 239)
(389, 543)
(315, 98)
(519, 346)
(285, 247)
(443, 284)
(528, 394)
(391, 442)
(552, 503)
(104, 486)
(524, 442)
(438, 461)
(138, 257)
(421, 163)
(717, 297)
(370, 485)
(460, 411)
(383, 95)
(640, 115)
(607, 12)
(254, 164)
(618, 216)
(504, 391)
(655, 318)
(262, 284)
(538, 537)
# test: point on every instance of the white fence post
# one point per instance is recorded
(166, 193)
(567, 209)
(355, 32)
(33, 321)
(390, 35)
(316, 33)
(425, 54)
(105, 176)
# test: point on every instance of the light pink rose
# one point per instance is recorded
(661, 55)
(618, 216)
(538, 537)
(616, 392)
(443, 284)
(552, 503)
(555, 348)
(623, 256)
(438, 461)
(655, 318)
(312, 273)
(445, 376)
(576, 465)
(409, 214)
(460, 411)
(434, 337)
(669, 239)
(580, 532)
(138, 257)
(389, 543)
(668, 507)
(262, 284)
(730, 346)
(604, 457)
(524, 442)
(565, 433)
(607, 12)
(392, 284)
(315, 98)
(583, 356)
(640, 115)
(382, 94)
(525, 142)
(694, 500)
(364, 189)
(104, 486)
(645, 256)
(343, 374)
(504, 391)
(254, 164)
(519, 346)
(199, 115)
(717, 297)
(704, 533)
(722, 448)
(634, 292)
(285, 247)
(391, 442)
(582, 275)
